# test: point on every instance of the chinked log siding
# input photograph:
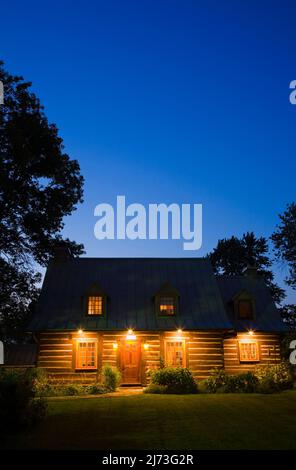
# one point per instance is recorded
(204, 351)
(269, 352)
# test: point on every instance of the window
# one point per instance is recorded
(167, 306)
(175, 353)
(248, 351)
(86, 354)
(95, 305)
(245, 309)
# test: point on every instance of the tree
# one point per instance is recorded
(284, 240)
(39, 185)
(288, 313)
(232, 255)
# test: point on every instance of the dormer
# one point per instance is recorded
(167, 301)
(95, 301)
(244, 305)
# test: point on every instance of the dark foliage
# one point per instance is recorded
(39, 185)
(284, 240)
(19, 407)
(176, 380)
(232, 255)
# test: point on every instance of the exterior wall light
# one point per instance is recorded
(130, 335)
(146, 346)
(179, 331)
(115, 346)
(251, 332)
(80, 331)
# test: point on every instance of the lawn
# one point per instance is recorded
(167, 422)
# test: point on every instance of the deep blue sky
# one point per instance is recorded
(166, 101)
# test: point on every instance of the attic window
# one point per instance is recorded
(95, 305)
(245, 309)
(167, 306)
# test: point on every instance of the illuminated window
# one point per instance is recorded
(248, 351)
(175, 353)
(167, 306)
(86, 354)
(95, 305)
(245, 309)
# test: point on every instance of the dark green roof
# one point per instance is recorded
(130, 285)
(267, 317)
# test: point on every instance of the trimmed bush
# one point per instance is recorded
(154, 388)
(111, 378)
(177, 380)
(18, 406)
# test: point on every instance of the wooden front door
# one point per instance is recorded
(130, 362)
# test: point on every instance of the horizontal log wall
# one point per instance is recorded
(205, 350)
(269, 352)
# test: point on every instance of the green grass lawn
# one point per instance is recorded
(167, 422)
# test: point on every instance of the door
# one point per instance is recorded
(130, 362)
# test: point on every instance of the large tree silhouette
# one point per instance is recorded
(284, 240)
(39, 185)
(232, 255)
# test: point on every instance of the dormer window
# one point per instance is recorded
(244, 306)
(167, 306)
(94, 302)
(95, 305)
(167, 301)
(245, 309)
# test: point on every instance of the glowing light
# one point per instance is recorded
(251, 332)
(179, 331)
(80, 331)
(146, 346)
(130, 335)
(115, 346)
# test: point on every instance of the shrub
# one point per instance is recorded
(73, 389)
(39, 378)
(177, 380)
(95, 389)
(276, 377)
(18, 406)
(155, 388)
(111, 378)
(217, 380)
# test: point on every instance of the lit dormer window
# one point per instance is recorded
(95, 305)
(167, 306)
(94, 301)
(167, 301)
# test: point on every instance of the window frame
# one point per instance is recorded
(240, 352)
(87, 305)
(159, 303)
(86, 340)
(244, 296)
(174, 340)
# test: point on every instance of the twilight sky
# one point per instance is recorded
(166, 101)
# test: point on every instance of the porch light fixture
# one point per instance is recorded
(179, 331)
(146, 346)
(251, 332)
(80, 331)
(130, 335)
(115, 346)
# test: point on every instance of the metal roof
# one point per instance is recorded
(130, 285)
(267, 317)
